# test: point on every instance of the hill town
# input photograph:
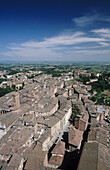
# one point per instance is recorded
(54, 116)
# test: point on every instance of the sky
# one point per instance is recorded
(55, 30)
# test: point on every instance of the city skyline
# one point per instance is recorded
(54, 30)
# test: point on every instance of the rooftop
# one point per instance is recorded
(94, 156)
(59, 148)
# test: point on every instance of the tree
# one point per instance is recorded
(93, 76)
(13, 86)
(4, 91)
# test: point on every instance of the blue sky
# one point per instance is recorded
(55, 30)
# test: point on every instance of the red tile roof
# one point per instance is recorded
(59, 148)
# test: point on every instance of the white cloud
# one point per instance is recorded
(104, 44)
(54, 41)
(62, 46)
(93, 52)
(104, 32)
(62, 40)
(90, 19)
